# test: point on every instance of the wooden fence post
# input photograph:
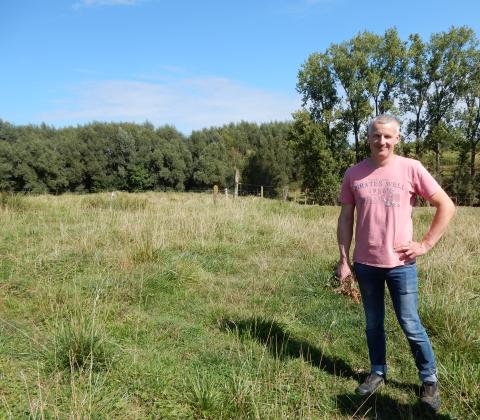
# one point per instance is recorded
(226, 193)
(215, 194)
(285, 193)
(261, 191)
(237, 180)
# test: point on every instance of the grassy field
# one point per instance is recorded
(163, 305)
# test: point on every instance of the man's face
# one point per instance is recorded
(382, 140)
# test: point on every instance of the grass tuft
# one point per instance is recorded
(202, 395)
(121, 201)
(79, 345)
(14, 202)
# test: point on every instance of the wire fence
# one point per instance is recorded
(257, 190)
(303, 197)
(271, 192)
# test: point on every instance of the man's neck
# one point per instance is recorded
(383, 162)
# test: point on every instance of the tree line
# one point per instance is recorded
(139, 157)
(432, 86)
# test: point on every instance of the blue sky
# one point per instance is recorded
(191, 64)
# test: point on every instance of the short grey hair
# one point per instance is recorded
(383, 119)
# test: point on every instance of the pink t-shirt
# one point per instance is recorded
(384, 199)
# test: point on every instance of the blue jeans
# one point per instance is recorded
(402, 282)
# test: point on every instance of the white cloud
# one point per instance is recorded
(189, 103)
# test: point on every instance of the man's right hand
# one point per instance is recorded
(343, 270)
(344, 239)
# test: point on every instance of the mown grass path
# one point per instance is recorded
(164, 305)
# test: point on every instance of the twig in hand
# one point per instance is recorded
(348, 287)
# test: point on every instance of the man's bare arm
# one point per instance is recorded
(344, 239)
(445, 209)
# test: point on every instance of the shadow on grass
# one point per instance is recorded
(281, 345)
(380, 406)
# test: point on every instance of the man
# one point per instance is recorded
(382, 189)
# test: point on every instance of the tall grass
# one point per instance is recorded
(12, 202)
(165, 305)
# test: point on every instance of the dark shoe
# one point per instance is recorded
(371, 384)
(430, 395)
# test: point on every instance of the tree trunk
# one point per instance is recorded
(437, 158)
(417, 138)
(473, 152)
(357, 143)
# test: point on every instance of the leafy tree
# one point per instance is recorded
(386, 70)
(415, 88)
(212, 166)
(121, 156)
(446, 69)
(350, 61)
(8, 132)
(7, 159)
(37, 165)
(467, 181)
(93, 152)
(176, 159)
(316, 84)
(272, 163)
(320, 170)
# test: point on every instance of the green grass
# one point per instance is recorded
(164, 305)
